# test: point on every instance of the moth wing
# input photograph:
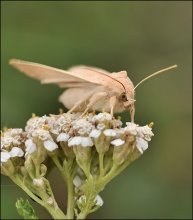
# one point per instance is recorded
(88, 69)
(74, 95)
(100, 76)
(47, 74)
(76, 76)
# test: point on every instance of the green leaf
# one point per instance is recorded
(25, 209)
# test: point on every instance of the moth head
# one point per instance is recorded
(127, 99)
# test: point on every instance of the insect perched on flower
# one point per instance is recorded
(88, 88)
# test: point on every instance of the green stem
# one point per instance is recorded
(102, 182)
(68, 178)
(83, 214)
(60, 168)
(55, 213)
(115, 171)
(101, 164)
(70, 206)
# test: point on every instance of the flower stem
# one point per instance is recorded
(68, 178)
(70, 206)
(101, 164)
(55, 213)
(115, 171)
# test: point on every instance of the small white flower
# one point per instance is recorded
(63, 137)
(141, 144)
(95, 133)
(117, 142)
(30, 146)
(102, 117)
(6, 141)
(131, 128)
(5, 156)
(109, 133)
(74, 141)
(86, 142)
(62, 124)
(15, 131)
(16, 152)
(82, 126)
(145, 132)
(50, 145)
(42, 134)
(99, 201)
(77, 181)
(38, 122)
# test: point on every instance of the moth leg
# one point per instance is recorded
(78, 104)
(113, 100)
(132, 113)
(75, 106)
(95, 98)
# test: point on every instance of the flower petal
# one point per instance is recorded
(77, 181)
(30, 146)
(95, 133)
(74, 141)
(117, 142)
(86, 142)
(141, 144)
(50, 145)
(16, 152)
(99, 201)
(5, 156)
(109, 133)
(63, 137)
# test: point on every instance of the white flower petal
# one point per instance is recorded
(5, 156)
(141, 144)
(117, 142)
(99, 201)
(77, 181)
(95, 133)
(30, 146)
(50, 145)
(63, 137)
(109, 133)
(86, 142)
(16, 152)
(74, 141)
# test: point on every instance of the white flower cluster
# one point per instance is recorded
(51, 131)
(11, 144)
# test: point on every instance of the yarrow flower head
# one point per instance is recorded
(89, 150)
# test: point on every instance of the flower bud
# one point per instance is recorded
(39, 182)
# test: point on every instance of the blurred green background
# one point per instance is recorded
(140, 37)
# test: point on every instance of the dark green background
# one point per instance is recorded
(140, 37)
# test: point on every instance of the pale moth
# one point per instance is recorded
(88, 88)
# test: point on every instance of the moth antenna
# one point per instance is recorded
(156, 73)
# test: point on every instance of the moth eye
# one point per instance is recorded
(123, 97)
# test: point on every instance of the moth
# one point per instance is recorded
(88, 88)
